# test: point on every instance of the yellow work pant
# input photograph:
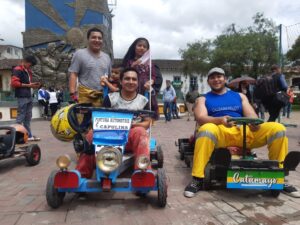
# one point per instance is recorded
(86, 95)
(210, 136)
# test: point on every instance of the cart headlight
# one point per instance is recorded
(109, 159)
(63, 161)
(143, 162)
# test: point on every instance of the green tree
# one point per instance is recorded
(196, 57)
(250, 50)
(294, 52)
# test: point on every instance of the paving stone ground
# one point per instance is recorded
(22, 191)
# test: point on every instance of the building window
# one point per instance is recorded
(8, 50)
(193, 82)
(177, 78)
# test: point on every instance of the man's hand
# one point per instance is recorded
(74, 97)
(35, 85)
(224, 121)
(254, 127)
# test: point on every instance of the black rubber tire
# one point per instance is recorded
(54, 198)
(187, 161)
(159, 157)
(207, 178)
(162, 187)
(33, 155)
(181, 151)
(275, 193)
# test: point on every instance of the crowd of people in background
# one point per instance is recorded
(50, 98)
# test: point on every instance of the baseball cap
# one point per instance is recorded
(215, 70)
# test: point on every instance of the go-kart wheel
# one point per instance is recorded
(207, 178)
(181, 151)
(187, 161)
(33, 155)
(275, 193)
(162, 187)
(160, 157)
(54, 198)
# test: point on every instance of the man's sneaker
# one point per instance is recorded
(195, 186)
(34, 138)
(291, 191)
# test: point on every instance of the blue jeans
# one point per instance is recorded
(25, 113)
(167, 110)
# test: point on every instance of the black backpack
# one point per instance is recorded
(266, 87)
(159, 79)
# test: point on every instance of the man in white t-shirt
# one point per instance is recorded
(138, 138)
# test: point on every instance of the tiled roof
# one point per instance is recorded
(9, 63)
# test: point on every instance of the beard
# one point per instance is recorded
(218, 90)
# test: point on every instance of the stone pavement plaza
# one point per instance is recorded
(22, 191)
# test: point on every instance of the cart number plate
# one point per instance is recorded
(255, 179)
(111, 123)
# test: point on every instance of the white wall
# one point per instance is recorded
(36, 113)
(15, 53)
(202, 83)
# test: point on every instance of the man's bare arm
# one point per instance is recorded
(202, 116)
(248, 110)
(73, 82)
(145, 123)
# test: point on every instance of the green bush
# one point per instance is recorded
(296, 107)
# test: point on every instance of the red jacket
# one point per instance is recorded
(21, 76)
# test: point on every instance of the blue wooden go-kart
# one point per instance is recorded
(110, 134)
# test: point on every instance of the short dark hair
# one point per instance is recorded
(127, 70)
(94, 29)
(274, 67)
(30, 59)
(117, 66)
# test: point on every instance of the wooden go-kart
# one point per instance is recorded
(243, 171)
(114, 165)
(10, 147)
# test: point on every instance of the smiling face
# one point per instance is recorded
(95, 41)
(217, 82)
(129, 82)
(140, 48)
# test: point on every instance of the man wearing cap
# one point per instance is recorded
(212, 112)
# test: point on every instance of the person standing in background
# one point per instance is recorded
(168, 97)
(287, 109)
(21, 81)
(271, 105)
(53, 101)
(174, 109)
(43, 99)
(190, 99)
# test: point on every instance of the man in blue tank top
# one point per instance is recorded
(212, 112)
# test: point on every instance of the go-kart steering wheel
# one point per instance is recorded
(245, 120)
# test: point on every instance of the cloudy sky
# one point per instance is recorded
(169, 24)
